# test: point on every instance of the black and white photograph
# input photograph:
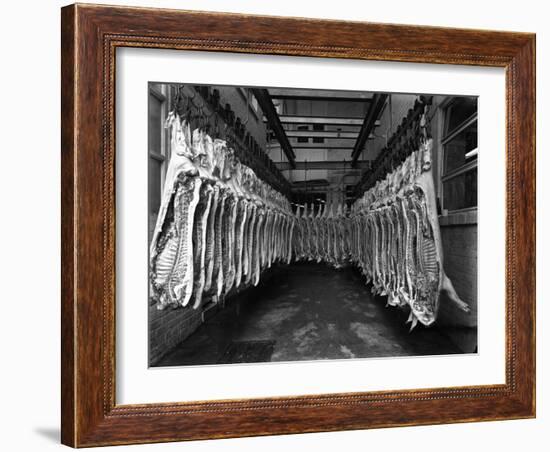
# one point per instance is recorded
(293, 224)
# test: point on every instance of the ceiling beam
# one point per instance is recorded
(310, 183)
(320, 98)
(348, 146)
(294, 119)
(356, 96)
(303, 190)
(378, 102)
(319, 134)
(324, 164)
(266, 104)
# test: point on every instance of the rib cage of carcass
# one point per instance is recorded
(218, 225)
(396, 240)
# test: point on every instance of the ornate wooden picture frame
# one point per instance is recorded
(90, 37)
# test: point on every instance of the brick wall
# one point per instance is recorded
(460, 254)
(169, 327)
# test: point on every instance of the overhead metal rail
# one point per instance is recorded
(324, 95)
(324, 165)
(320, 146)
(266, 104)
(327, 120)
(378, 102)
(323, 134)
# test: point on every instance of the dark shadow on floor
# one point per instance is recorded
(308, 312)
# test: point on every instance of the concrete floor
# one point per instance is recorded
(308, 312)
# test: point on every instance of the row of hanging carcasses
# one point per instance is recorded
(391, 233)
(218, 227)
(323, 235)
(396, 239)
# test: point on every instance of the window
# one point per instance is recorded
(302, 139)
(157, 147)
(251, 101)
(460, 152)
(318, 128)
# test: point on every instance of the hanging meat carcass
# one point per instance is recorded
(218, 225)
(391, 233)
(203, 158)
(171, 249)
(398, 239)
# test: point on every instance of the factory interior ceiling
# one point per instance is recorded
(302, 121)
